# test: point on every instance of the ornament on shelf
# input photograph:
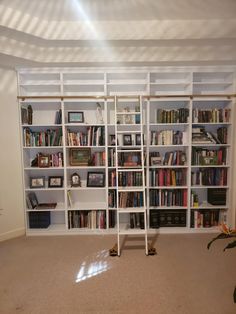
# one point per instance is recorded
(127, 117)
(99, 116)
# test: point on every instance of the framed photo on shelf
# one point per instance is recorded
(75, 117)
(43, 161)
(138, 139)
(156, 161)
(127, 140)
(80, 156)
(96, 179)
(37, 182)
(55, 182)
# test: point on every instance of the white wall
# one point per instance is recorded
(11, 190)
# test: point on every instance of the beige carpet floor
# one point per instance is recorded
(74, 274)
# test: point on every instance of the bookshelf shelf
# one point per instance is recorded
(137, 103)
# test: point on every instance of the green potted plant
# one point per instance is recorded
(225, 234)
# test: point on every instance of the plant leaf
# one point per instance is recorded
(230, 245)
(220, 236)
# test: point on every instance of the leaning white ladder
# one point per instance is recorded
(141, 169)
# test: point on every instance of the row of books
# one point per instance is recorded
(168, 197)
(209, 176)
(206, 218)
(173, 158)
(173, 116)
(168, 137)
(112, 199)
(98, 159)
(130, 199)
(136, 220)
(130, 179)
(94, 219)
(203, 156)
(167, 177)
(129, 159)
(50, 137)
(111, 157)
(167, 218)
(95, 136)
(201, 136)
(211, 115)
(125, 178)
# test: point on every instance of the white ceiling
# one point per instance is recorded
(111, 32)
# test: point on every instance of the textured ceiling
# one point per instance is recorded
(100, 32)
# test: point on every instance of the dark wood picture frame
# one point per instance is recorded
(95, 179)
(127, 140)
(43, 161)
(80, 156)
(55, 181)
(75, 117)
(37, 182)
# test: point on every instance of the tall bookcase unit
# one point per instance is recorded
(72, 145)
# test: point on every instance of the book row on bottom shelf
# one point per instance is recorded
(93, 219)
(96, 219)
(207, 218)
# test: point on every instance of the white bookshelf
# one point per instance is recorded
(59, 89)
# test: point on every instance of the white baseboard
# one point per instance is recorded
(12, 234)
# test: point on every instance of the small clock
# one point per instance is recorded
(75, 179)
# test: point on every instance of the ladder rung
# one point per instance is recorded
(132, 231)
(132, 210)
(128, 131)
(131, 189)
(131, 170)
(129, 150)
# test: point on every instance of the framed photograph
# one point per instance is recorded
(33, 201)
(75, 117)
(37, 182)
(137, 139)
(155, 161)
(55, 182)
(80, 156)
(43, 161)
(96, 179)
(127, 139)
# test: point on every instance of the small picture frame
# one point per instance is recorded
(127, 140)
(80, 156)
(43, 161)
(155, 161)
(55, 182)
(96, 179)
(75, 180)
(37, 182)
(138, 139)
(75, 117)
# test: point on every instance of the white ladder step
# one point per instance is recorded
(130, 169)
(131, 210)
(131, 189)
